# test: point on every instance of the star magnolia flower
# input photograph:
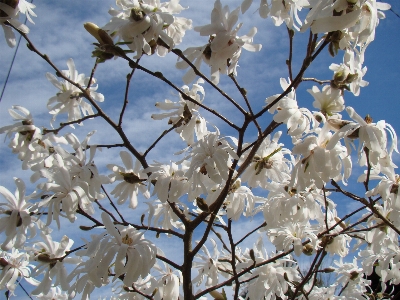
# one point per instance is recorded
(64, 194)
(329, 101)
(17, 219)
(9, 15)
(28, 139)
(268, 163)
(184, 115)
(14, 265)
(48, 254)
(209, 267)
(319, 163)
(224, 48)
(270, 280)
(142, 24)
(210, 156)
(292, 235)
(69, 100)
(131, 178)
(125, 249)
(298, 120)
(171, 183)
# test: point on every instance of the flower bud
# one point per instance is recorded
(99, 34)
(217, 295)
(308, 249)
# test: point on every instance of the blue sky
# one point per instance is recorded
(59, 33)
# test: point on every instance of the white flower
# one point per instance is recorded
(51, 258)
(209, 267)
(350, 274)
(17, 219)
(123, 248)
(210, 156)
(319, 162)
(268, 280)
(164, 216)
(142, 24)
(224, 48)
(9, 15)
(268, 163)
(64, 194)
(54, 293)
(131, 178)
(14, 265)
(69, 100)
(170, 184)
(298, 120)
(292, 235)
(184, 115)
(329, 101)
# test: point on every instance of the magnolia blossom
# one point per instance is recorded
(51, 258)
(70, 99)
(131, 178)
(329, 101)
(185, 116)
(209, 267)
(269, 162)
(224, 47)
(210, 156)
(270, 280)
(63, 195)
(125, 249)
(297, 120)
(9, 15)
(148, 26)
(14, 265)
(292, 235)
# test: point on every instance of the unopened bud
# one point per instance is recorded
(252, 256)
(308, 249)
(328, 270)
(341, 224)
(201, 204)
(85, 228)
(353, 275)
(99, 34)
(217, 295)
(340, 76)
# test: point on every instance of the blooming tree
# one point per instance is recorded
(276, 170)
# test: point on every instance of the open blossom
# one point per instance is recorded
(223, 50)
(63, 194)
(268, 281)
(124, 249)
(292, 235)
(69, 100)
(297, 120)
(184, 115)
(319, 163)
(209, 266)
(210, 156)
(329, 101)
(16, 217)
(148, 26)
(349, 75)
(9, 14)
(14, 264)
(171, 182)
(50, 256)
(131, 178)
(269, 162)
